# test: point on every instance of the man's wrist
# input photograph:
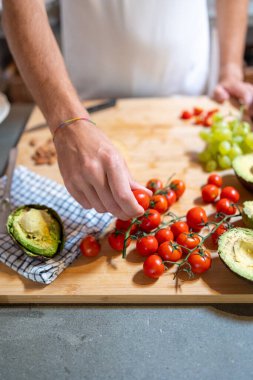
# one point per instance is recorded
(60, 115)
(231, 70)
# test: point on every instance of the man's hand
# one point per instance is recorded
(232, 18)
(231, 85)
(94, 172)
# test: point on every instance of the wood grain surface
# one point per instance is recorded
(155, 143)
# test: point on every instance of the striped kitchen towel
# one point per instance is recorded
(29, 188)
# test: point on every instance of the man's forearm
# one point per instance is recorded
(39, 60)
(232, 27)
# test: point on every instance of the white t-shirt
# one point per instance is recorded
(126, 48)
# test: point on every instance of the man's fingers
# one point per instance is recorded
(106, 197)
(79, 197)
(136, 186)
(121, 191)
(242, 92)
(93, 198)
(220, 94)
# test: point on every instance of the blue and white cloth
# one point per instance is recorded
(28, 188)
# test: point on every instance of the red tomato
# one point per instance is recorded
(178, 186)
(89, 246)
(200, 262)
(230, 193)
(178, 227)
(186, 115)
(164, 234)
(116, 240)
(215, 179)
(197, 111)
(147, 245)
(188, 240)
(170, 196)
(196, 218)
(142, 198)
(212, 112)
(207, 121)
(154, 184)
(218, 232)
(159, 203)
(170, 251)
(150, 220)
(123, 225)
(153, 266)
(209, 193)
(226, 206)
(199, 120)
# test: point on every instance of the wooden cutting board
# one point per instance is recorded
(155, 143)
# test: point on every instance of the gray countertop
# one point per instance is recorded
(138, 342)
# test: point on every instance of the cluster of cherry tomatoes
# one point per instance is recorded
(229, 196)
(199, 116)
(164, 239)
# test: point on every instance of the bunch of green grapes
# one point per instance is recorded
(226, 139)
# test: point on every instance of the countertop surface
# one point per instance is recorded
(138, 342)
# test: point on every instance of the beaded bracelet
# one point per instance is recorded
(71, 121)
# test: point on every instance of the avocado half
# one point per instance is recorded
(243, 167)
(247, 213)
(235, 248)
(37, 229)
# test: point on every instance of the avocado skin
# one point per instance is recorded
(248, 185)
(247, 219)
(242, 161)
(28, 249)
(222, 242)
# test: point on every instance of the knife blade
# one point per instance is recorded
(5, 204)
(98, 107)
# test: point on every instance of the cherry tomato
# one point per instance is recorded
(186, 115)
(142, 198)
(226, 206)
(207, 121)
(215, 179)
(164, 234)
(123, 225)
(200, 262)
(178, 227)
(89, 246)
(170, 251)
(212, 112)
(147, 245)
(188, 240)
(170, 196)
(199, 120)
(218, 232)
(197, 111)
(150, 220)
(209, 193)
(230, 193)
(116, 240)
(153, 266)
(159, 203)
(196, 218)
(154, 184)
(178, 186)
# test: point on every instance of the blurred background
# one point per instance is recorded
(12, 85)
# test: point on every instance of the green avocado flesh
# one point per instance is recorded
(247, 214)
(236, 250)
(243, 167)
(36, 230)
